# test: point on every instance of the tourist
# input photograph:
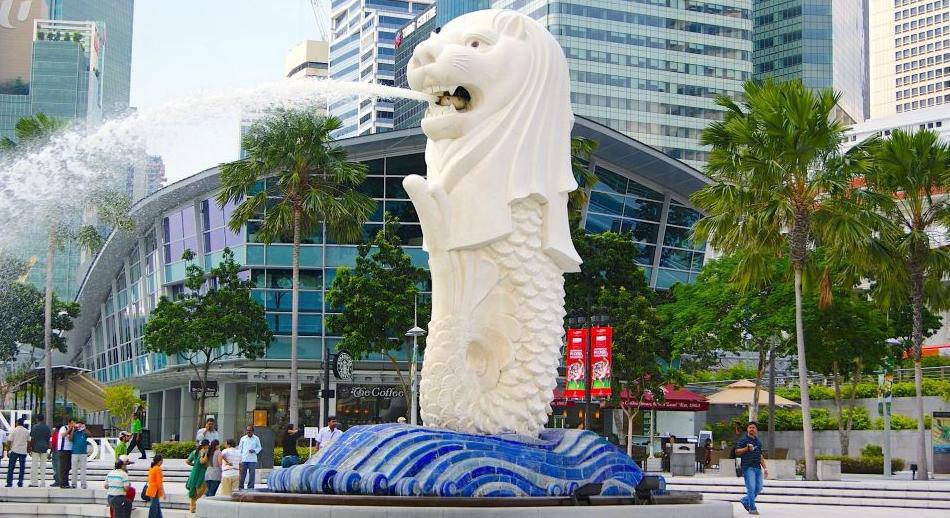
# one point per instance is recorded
(401, 420)
(137, 432)
(80, 454)
(328, 434)
(230, 468)
(40, 442)
(122, 445)
(249, 447)
(707, 458)
(19, 440)
(64, 448)
(116, 484)
(749, 449)
(54, 453)
(196, 486)
(155, 487)
(213, 474)
(209, 433)
(289, 441)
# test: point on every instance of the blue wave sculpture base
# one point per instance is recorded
(406, 460)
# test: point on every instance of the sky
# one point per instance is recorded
(184, 47)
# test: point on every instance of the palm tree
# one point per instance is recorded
(581, 150)
(780, 187)
(312, 182)
(37, 131)
(914, 169)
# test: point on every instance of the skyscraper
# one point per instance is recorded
(651, 70)
(362, 48)
(308, 59)
(820, 42)
(910, 55)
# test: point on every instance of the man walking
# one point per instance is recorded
(40, 442)
(749, 450)
(64, 447)
(249, 447)
(80, 454)
(19, 440)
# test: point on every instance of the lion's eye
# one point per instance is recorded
(473, 44)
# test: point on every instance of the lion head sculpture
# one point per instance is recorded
(501, 128)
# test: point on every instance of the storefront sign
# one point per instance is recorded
(371, 391)
(576, 364)
(211, 388)
(601, 358)
(260, 418)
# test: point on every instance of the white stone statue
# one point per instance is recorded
(494, 218)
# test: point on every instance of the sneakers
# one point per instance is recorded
(753, 511)
(745, 505)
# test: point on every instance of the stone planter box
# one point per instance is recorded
(829, 470)
(782, 469)
(727, 467)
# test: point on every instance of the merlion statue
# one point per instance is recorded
(494, 218)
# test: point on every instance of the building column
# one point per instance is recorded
(171, 402)
(229, 417)
(155, 415)
(187, 425)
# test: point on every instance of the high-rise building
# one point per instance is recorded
(910, 55)
(651, 70)
(408, 113)
(308, 59)
(820, 42)
(362, 48)
(114, 21)
(66, 71)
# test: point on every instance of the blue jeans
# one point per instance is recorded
(12, 460)
(212, 487)
(155, 509)
(289, 460)
(753, 485)
(247, 469)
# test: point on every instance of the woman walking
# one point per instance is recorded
(156, 487)
(196, 486)
(213, 475)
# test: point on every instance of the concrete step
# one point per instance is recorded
(69, 497)
(30, 510)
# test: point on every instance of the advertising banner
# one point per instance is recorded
(576, 364)
(601, 357)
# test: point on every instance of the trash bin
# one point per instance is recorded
(146, 439)
(683, 460)
(265, 459)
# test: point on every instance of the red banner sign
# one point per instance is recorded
(576, 364)
(601, 360)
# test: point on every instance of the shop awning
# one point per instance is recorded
(741, 393)
(560, 401)
(674, 399)
(87, 393)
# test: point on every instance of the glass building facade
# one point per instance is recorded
(408, 113)
(820, 42)
(134, 270)
(650, 69)
(362, 49)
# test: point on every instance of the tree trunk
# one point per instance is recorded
(771, 437)
(294, 404)
(917, 335)
(811, 465)
(407, 389)
(759, 373)
(630, 416)
(836, 379)
(846, 438)
(48, 328)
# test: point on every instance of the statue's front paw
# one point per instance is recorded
(427, 207)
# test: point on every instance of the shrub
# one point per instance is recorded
(864, 465)
(872, 450)
(302, 451)
(821, 419)
(901, 422)
(174, 450)
(930, 387)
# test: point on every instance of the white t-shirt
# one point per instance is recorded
(326, 437)
(65, 443)
(233, 458)
(202, 434)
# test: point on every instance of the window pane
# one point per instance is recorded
(645, 254)
(642, 231)
(411, 235)
(597, 223)
(641, 209)
(406, 165)
(678, 237)
(374, 166)
(679, 259)
(606, 203)
(404, 210)
(682, 216)
(610, 182)
(394, 188)
(642, 191)
(667, 278)
(372, 186)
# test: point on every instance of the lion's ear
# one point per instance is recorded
(512, 24)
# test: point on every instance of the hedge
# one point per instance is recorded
(865, 465)
(302, 451)
(822, 419)
(174, 450)
(930, 387)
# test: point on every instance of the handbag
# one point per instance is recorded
(145, 497)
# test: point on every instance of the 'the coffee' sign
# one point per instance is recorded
(371, 391)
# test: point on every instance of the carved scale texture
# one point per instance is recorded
(455, 395)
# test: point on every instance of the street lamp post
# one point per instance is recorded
(415, 333)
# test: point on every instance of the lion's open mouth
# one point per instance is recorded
(452, 99)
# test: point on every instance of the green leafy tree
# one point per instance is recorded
(780, 185)
(36, 131)
(714, 315)
(214, 319)
(581, 151)
(312, 181)
(846, 340)
(377, 299)
(913, 169)
(611, 279)
(121, 402)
